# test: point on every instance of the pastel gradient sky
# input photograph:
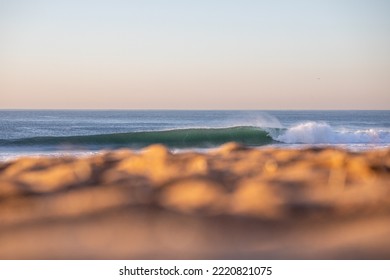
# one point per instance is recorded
(205, 54)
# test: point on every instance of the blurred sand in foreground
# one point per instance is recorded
(231, 203)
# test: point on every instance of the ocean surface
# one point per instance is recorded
(79, 132)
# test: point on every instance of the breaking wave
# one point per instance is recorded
(323, 133)
(177, 138)
(304, 133)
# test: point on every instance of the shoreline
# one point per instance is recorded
(12, 155)
(233, 202)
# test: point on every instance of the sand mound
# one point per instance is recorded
(234, 202)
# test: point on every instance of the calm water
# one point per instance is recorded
(40, 132)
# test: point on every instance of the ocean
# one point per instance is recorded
(80, 132)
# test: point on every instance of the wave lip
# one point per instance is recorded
(323, 133)
(176, 138)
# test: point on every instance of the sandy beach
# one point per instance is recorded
(233, 202)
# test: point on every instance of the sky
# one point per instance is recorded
(204, 54)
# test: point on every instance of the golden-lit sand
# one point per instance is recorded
(234, 202)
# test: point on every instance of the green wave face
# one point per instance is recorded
(177, 138)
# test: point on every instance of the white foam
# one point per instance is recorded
(323, 133)
(10, 156)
